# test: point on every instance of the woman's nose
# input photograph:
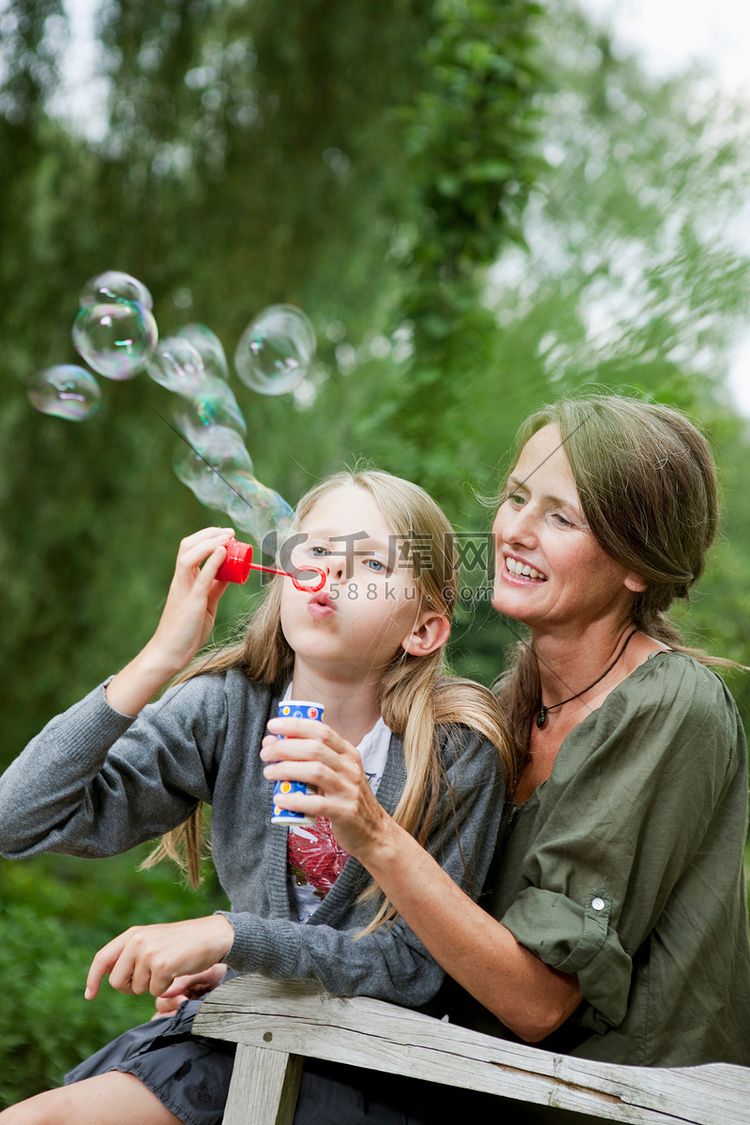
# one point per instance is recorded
(515, 525)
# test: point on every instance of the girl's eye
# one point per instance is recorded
(319, 552)
(375, 565)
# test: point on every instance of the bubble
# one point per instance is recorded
(116, 340)
(275, 350)
(177, 365)
(255, 508)
(114, 286)
(65, 391)
(212, 404)
(204, 482)
(217, 446)
(209, 348)
(207, 460)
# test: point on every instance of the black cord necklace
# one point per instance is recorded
(543, 712)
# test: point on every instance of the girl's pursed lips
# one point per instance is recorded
(322, 597)
(321, 605)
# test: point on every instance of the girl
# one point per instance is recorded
(97, 780)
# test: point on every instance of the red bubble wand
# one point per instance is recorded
(239, 562)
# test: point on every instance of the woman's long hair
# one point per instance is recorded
(415, 694)
(647, 482)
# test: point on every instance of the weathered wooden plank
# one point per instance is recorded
(264, 1087)
(297, 1018)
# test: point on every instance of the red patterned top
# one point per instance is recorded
(314, 856)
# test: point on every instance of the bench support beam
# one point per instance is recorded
(264, 1087)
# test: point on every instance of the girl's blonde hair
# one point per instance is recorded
(648, 487)
(415, 693)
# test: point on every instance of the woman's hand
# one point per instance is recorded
(186, 622)
(313, 753)
(192, 986)
(151, 958)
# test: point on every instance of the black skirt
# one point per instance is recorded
(189, 1074)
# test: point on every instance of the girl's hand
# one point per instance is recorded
(193, 986)
(186, 622)
(313, 753)
(150, 958)
(190, 610)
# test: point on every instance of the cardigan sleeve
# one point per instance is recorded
(391, 963)
(95, 782)
(632, 799)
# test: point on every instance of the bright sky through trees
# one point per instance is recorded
(669, 35)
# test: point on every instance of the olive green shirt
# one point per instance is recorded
(625, 868)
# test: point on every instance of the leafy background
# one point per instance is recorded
(480, 205)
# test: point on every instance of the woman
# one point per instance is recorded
(615, 925)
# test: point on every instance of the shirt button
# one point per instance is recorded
(597, 903)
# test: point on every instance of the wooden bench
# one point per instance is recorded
(276, 1025)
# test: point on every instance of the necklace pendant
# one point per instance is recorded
(541, 717)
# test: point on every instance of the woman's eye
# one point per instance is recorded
(561, 521)
(515, 498)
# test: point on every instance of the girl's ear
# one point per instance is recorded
(432, 633)
(635, 583)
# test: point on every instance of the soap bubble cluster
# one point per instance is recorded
(116, 334)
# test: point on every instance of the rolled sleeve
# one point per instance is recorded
(576, 939)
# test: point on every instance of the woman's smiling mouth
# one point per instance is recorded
(520, 569)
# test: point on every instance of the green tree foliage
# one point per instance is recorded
(470, 137)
